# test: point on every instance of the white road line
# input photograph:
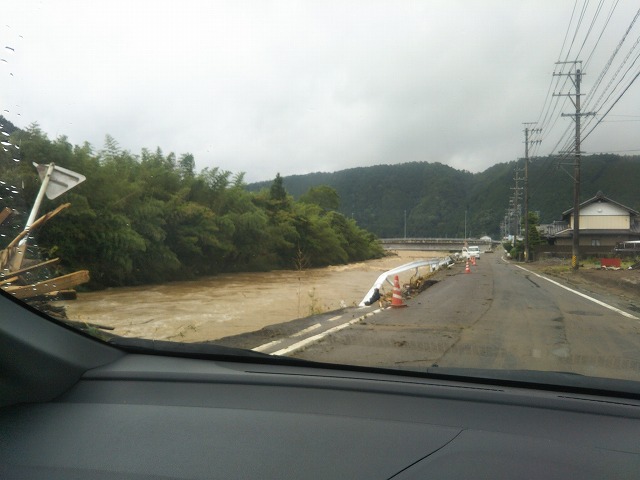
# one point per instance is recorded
(605, 305)
(333, 319)
(315, 338)
(266, 346)
(306, 330)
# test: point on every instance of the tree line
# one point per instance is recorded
(151, 217)
(441, 201)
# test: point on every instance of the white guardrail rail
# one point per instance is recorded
(433, 264)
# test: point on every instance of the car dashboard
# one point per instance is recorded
(74, 407)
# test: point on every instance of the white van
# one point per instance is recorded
(471, 251)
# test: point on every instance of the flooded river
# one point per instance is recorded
(230, 304)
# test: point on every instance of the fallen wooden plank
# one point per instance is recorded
(30, 268)
(4, 214)
(4, 258)
(18, 246)
(64, 282)
(4, 281)
(63, 295)
(39, 222)
(55, 296)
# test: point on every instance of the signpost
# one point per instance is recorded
(55, 181)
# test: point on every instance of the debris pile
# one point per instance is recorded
(27, 279)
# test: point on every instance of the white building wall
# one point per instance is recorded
(603, 209)
(603, 215)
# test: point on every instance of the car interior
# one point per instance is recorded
(76, 407)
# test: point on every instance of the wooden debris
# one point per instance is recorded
(4, 214)
(31, 268)
(38, 223)
(55, 296)
(15, 279)
(4, 259)
(9, 280)
(8, 256)
(47, 286)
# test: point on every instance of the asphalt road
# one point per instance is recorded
(499, 316)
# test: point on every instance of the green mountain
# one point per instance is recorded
(435, 196)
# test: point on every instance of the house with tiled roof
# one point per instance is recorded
(603, 223)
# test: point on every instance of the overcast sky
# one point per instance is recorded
(303, 86)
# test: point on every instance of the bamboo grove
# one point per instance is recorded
(151, 217)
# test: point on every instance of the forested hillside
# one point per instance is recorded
(436, 196)
(151, 217)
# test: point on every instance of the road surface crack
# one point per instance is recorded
(529, 278)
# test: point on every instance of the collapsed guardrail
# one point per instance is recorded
(374, 292)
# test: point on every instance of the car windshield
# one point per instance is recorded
(408, 185)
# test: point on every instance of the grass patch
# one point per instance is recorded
(556, 269)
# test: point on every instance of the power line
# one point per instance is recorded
(613, 7)
(548, 117)
(575, 34)
(616, 87)
(575, 4)
(610, 62)
(613, 105)
(545, 110)
(595, 17)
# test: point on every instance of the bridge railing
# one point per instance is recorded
(445, 241)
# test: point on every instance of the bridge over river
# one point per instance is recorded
(433, 244)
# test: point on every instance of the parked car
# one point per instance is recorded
(472, 251)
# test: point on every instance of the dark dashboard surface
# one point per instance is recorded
(156, 417)
(74, 407)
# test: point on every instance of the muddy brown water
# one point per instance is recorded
(215, 307)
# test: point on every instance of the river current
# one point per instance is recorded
(214, 307)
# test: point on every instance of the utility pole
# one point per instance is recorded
(465, 227)
(527, 252)
(405, 224)
(516, 207)
(575, 254)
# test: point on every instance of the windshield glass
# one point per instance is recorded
(405, 185)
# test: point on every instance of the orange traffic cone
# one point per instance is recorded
(473, 261)
(466, 268)
(396, 299)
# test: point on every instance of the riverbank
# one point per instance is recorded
(225, 305)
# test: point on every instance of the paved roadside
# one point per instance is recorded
(290, 337)
(499, 316)
(620, 288)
